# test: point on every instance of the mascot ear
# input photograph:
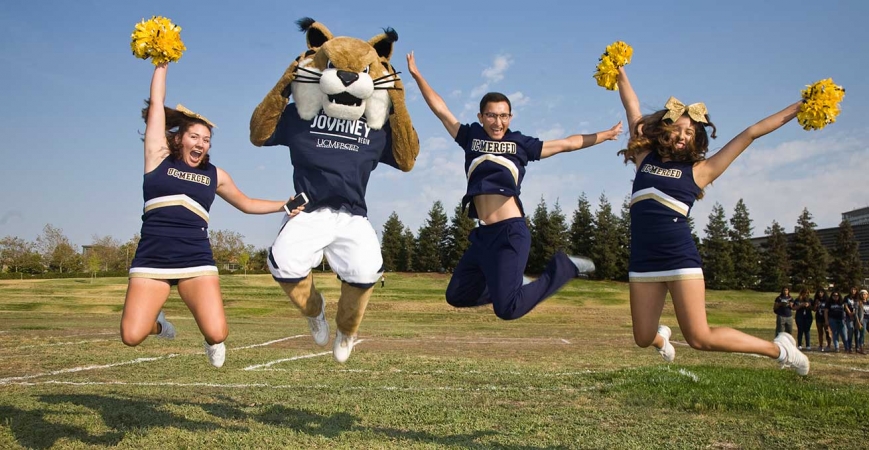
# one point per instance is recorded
(316, 34)
(382, 43)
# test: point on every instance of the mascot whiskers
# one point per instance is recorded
(348, 115)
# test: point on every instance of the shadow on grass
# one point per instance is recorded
(39, 428)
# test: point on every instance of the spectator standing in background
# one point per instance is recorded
(804, 319)
(784, 309)
(819, 304)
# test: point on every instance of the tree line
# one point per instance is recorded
(730, 259)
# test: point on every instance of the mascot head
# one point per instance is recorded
(344, 76)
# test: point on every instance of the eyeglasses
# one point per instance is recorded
(493, 116)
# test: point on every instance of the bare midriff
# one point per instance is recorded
(493, 208)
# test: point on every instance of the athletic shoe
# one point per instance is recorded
(343, 346)
(167, 330)
(583, 264)
(667, 351)
(526, 280)
(216, 354)
(808, 348)
(318, 325)
(790, 356)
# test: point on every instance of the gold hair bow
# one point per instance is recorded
(675, 109)
(180, 108)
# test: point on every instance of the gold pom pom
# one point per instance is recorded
(616, 55)
(158, 39)
(820, 104)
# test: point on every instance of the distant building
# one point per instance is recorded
(859, 220)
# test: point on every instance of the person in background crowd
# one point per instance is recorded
(783, 309)
(851, 301)
(819, 305)
(804, 319)
(836, 314)
(861, 314)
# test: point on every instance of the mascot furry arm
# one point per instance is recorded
(346, 78)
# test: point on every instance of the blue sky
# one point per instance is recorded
(71, 93)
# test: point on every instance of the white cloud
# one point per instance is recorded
(556, 131)
(456, 93)
(518, 99)
(495, 72)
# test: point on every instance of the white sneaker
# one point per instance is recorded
(667, 351)
(318, 325)
(216, 354)
(583, 264)
(343, 346)
(790, 356)
(167, 330)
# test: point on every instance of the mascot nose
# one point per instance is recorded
(347, 77)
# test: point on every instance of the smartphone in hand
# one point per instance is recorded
(297, 201)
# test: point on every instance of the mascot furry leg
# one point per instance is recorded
(349, 115)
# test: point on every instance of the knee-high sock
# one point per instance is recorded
(351, 308)
(304, 295)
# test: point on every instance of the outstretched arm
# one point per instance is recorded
(156, 146)
(579, 141)
(228, 191)
(707, 171)
(629, 100)
(434, 101)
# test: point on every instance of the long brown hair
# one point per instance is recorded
(654, 133)
(177, 123)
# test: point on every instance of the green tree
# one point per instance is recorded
(226, 246)
(127, 251)
(460, 227)
(717, 251)
(606, 241)
(623, 228)
(775, 264)
(106, 250)
(846, 269)
(808, 256)
(539, 226)
(745, 257)
(581, 228)
(432, 241)
(259, 260)
(694, 232)
(19, 256)
(406, 256)
(390, 245)
(56, 251)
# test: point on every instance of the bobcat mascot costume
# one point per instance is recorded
(349, 115)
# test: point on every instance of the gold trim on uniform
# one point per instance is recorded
(177, 200)
(497, 160)
(694, 273)
(172, 274)
(660, 197)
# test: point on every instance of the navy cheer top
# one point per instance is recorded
(333, 158)
(495, 166)
(178, 199)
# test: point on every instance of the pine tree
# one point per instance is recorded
(537, 256)
(717, 251)
(775, 262)
(624, 235)
(406, 256)
(460, 227)
(390, 244)
(605, 247)
(808, 256)
(745, 258)
(431, 248)
(581, 228)
(846, 269)
(694, 232)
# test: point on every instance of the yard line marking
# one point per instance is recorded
(565, 341)
(490, 388)
(294, 358)
(688, 374)
(269, 342)
(680, 343)
(62, 343)
(84, 368)
(442, 372)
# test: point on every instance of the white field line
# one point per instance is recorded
(490, 388)
(565, 341)
(504, 340)
(61, 343)
(269, 342)
(84, 368)
(688, 374)
(444, 372)
(294, 358)
(135, 361)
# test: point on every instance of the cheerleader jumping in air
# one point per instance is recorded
(669, 149)
(179, 187)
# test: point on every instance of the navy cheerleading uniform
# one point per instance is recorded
(662, 248)
(490, 271)
(174, 239)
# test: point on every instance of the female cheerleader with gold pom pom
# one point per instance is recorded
(669, 149)
(179, 187)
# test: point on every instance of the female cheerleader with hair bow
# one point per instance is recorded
(669, 149)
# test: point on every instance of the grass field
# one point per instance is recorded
(424, 376)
